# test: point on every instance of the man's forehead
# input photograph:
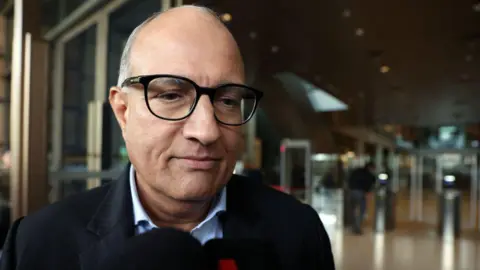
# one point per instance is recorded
(184, 19)
(168, 44)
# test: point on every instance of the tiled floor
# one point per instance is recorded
(404, 250)
(412, 246)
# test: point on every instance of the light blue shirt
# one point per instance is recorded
(209, 228)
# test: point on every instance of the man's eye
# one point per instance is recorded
(169, 96)
(230, 102)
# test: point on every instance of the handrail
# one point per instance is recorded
(69, 175)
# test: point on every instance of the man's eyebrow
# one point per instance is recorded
(173, 80)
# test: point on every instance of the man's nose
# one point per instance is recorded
(201, 125)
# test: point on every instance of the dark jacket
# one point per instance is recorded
(361, 179)
(80, 231)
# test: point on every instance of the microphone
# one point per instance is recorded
(240, 254)
(165, 248)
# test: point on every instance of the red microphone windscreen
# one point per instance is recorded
(227, 264)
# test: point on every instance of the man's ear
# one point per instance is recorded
(119, 102)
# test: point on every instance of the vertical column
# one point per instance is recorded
(360, 153)
(413, 190)
(250, 136)
(420, 189)
(473, 190)
(29, 111)
(95, 107)
(3, 91)
(379, 159)
(393, 166)
(438, 174)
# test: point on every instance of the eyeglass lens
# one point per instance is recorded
(173, 98)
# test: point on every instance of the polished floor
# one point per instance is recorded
(403, 250)
(412, 245)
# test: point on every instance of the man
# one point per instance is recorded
(180, 103)
(360, 183)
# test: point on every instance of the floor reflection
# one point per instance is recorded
(410, 246)
(393, 251)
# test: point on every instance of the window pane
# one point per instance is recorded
(54, 11)
(79, 86)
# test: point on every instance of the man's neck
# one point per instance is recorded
(165, 211)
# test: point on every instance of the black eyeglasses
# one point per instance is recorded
(174, 98)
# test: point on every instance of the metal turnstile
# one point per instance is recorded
(286, 164)
(347, 209)
(385, 214)
(449, 214)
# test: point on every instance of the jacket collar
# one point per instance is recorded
(113, 221)
(115, 209)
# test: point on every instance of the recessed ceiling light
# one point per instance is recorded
(226, 17)
(275, 49)
(384, 69)
(360, 32)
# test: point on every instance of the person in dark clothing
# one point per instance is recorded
(360, 183)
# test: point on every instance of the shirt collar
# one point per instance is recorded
(140, 215)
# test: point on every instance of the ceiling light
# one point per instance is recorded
(322, 101)
(384, 69)
(253, 35)
(360, 32)
(275, 49)
(226, 17)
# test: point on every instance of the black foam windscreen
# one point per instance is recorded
(165, 249)
(251, 254)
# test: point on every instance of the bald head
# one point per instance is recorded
(185, 26)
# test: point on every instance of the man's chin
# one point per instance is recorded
(196, 193)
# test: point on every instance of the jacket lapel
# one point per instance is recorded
(112, 224)
(241, 220)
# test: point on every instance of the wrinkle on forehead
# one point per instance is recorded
(192, 34)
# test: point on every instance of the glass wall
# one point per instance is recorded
(56, 10)
(86, 59)
(79, 82)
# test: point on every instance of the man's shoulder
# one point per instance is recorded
(76, 210)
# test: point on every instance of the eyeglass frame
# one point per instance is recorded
(199, 91)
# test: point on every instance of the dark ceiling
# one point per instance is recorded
(431, 47)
